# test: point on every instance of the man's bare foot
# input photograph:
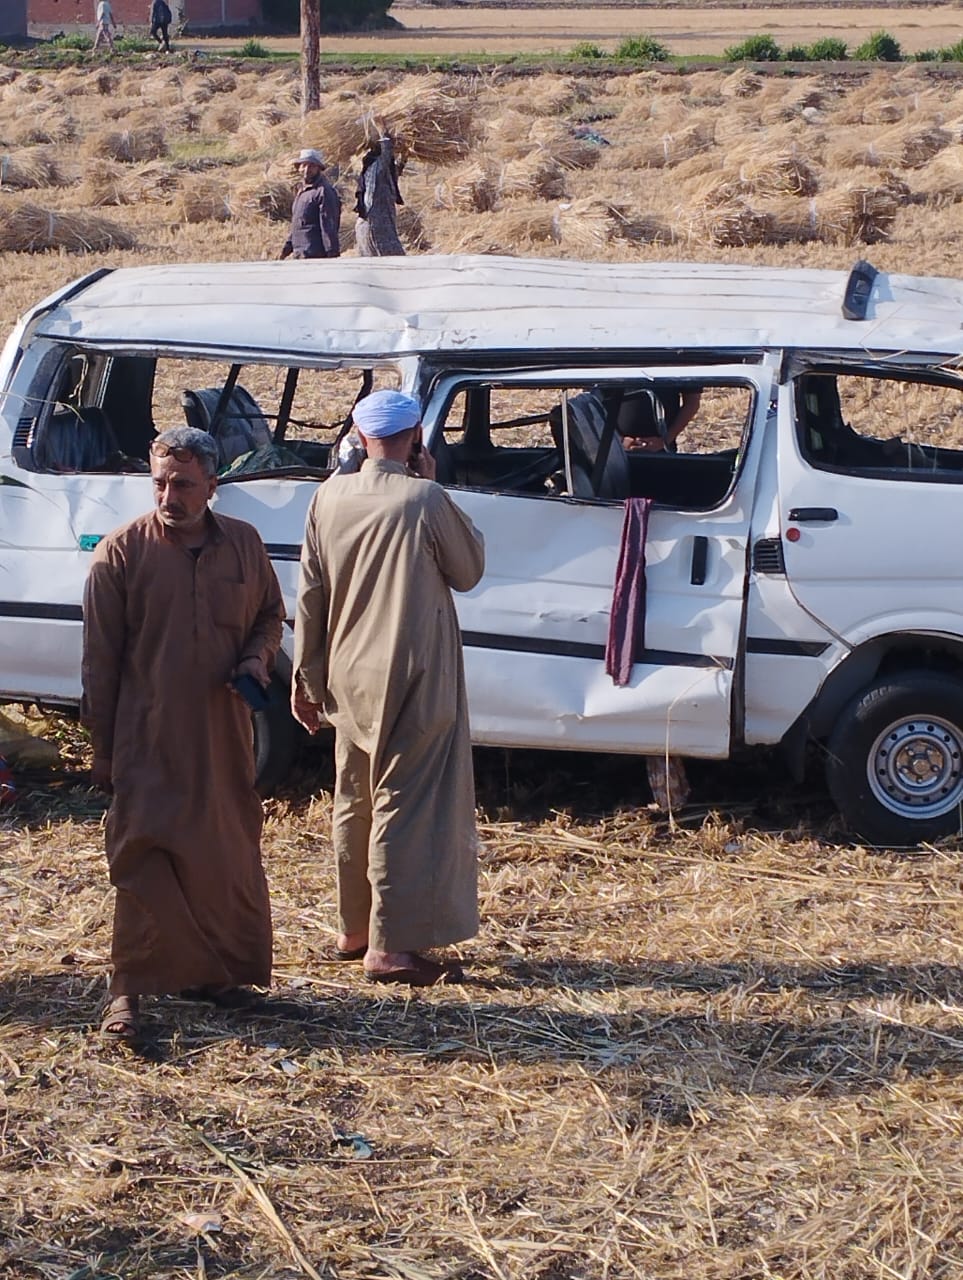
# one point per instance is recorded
(351, 946)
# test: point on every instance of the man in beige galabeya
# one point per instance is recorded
(378, 654)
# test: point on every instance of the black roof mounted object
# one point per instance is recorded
(858, 288)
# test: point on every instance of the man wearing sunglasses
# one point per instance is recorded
(178, 604)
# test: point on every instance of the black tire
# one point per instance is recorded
(895, 764)
(276, 736)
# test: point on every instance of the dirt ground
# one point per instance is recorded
(690, 31)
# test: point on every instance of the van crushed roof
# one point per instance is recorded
(385, 307)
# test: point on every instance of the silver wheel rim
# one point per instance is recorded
(915, 767)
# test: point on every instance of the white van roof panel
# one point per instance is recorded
(384, 307)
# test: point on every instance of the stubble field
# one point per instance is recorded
(727, 1045)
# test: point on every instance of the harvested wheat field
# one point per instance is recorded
(725, 1045)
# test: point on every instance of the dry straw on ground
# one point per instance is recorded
(29, 228)
(31, 167)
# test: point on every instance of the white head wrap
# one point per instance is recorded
(385, 413)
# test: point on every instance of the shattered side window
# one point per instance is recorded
(892, 428)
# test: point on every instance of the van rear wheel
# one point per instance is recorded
(895, 765)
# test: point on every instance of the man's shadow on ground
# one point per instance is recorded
(846, 1051)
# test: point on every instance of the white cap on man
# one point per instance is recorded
(309, 156)
(386, 413)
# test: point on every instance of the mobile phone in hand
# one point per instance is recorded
(252, 691)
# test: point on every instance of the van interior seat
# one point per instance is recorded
(587, 420)
(241, 427)
(75, 440)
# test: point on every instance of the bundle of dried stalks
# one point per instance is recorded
(783, 174)
(584, 226)
(127, 145)
(856, 215)
(223, 117)
(50, 124)
(30, 168)
(412, 230)
(732, 225)
(536, 176)
(199, 93)
(28, 228)
(265, 197)
(426, 122)
(795, 221)
(101, 184)
(551, 96)
(741, 84)
(104, 82)
(340, 129)
(559, 145)
(266, 116)
(509, 232)
(668, 150)
(221, 81)
(182, 119)
(73, 84)
(507, 131)
(163, 88)
(473, 188)
(202, 200)
(941, 182)
(905, 146)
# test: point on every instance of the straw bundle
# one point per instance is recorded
(411, 229)
(199, 93)
(782, 174)
(182, 119)
(508, 232)
(224, 117)
(128, 145)
(905, 146)
(586, 225)
(53, 124)
(941, 182)
(73, 84)
(550, 96)
(536, 176)
(28, 228)
(733, 225)
(202, 200)
(339, 128)
(741, 84)
(162, 88)
(473, 189)
(921, 146)
(563, 148)
(426, 122)
(507, 130)
(30, 168)
(666, 151)
(264, 197)
(266, 116)
(221, 81)
(856, 215)
(8, 75)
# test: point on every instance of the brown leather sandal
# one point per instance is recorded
(121, 1021)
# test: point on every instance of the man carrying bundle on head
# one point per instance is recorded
(315, 214)
(377, 652)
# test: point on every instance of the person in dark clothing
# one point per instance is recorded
(652, 420)
(315, 214)
(160, 21)
(376, 231)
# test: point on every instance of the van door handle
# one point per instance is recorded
(822, 515)
(700, 556)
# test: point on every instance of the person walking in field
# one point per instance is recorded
(376, 230)
(160, 21)
(315, 214)
(378, 654)
(106, 26)
(179, 603)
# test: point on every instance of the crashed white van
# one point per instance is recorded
(802, 562)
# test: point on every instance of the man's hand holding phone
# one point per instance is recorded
(420, 461)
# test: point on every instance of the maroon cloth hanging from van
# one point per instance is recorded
(627, 618)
